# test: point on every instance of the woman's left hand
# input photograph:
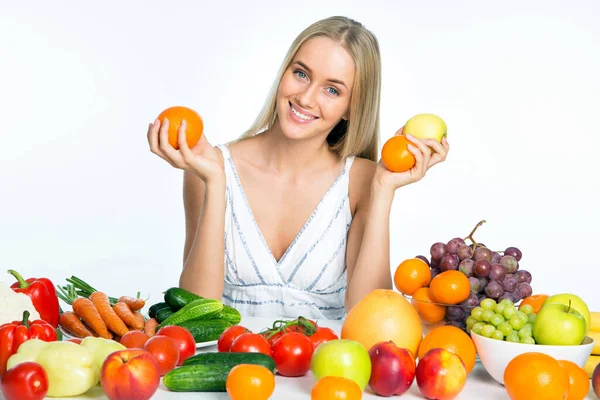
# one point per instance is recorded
(427, 152)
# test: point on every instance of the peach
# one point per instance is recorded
(392, 369)
(130, 374)
(441, 375)
(596, 380)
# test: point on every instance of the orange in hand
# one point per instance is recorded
(395, 154)
(175, 115)
(250, 382)
(411, 275)
(535, 376)
(335, 388)
(536, 301)
(449, 287)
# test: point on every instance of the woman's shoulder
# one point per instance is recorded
(362, 169)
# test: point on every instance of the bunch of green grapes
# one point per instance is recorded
(502, 321)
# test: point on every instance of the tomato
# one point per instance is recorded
(248, 381)
(75, 340)
(165, 351)
(184, 339)
(292, 353)
(134, 339)
(251, 343)
(228, 336)
(25, 381)
(322, 335)
(299, 327)
(335, 388)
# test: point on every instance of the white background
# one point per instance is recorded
(518, 84)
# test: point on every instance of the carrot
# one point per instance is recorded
(134, 303)
(141, 319)
(72, 324)
(122, 310)
(87, 311)
(110, 318)
(150, 327)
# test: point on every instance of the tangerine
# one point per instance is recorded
(579, 383)
(535, 375)
(452, 339)
(411, 275)
(536, 301)
(430, 313)
(395, 154)
(335, 388)
(194, 122)
(449, 287)
(250, 382)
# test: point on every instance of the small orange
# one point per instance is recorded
(335, 388)
(250, 382)
(194, 122)
(411, 275)
(430, 313)
(395, 154)
(535, 375)
(453, 339)
(579, 383)
(536, 301)
(449, 287)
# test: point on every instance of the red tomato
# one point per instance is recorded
(300, 328)
(322, 335)
(25, 381)
(134, 339)
(228, 336)
(165, 351)
(273, 338)
(292, 354)
(251, 343)
(184, 339)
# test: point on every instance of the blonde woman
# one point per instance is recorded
(293, 217)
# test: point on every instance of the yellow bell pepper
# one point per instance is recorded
(101, 348)
(70, 367)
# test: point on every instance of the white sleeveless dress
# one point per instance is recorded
(310, 278)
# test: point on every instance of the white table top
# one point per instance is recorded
(480, 384)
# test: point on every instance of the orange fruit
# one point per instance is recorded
(579, 383)
(250, 382)
(430, 313)
(452, 339)
(411, 275)
(449, 287)
(335, 388)
(383, 315)
(535, 375)
(536, 301)
(395, 154)
(175, 115)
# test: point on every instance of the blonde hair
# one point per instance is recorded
(359, 135)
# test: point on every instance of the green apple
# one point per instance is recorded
(342, 357)
(576, 302)
(426, 126)
(560, 325)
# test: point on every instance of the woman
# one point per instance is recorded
(293, 218)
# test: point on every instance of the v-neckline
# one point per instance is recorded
(257, 229)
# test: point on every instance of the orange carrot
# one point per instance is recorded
(122, 310)
(141, 319)
(72, 324)
(110, 318)
(87, 311)
(134, 303)
(150, 327)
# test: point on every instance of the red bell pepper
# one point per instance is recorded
(13, 334)
(42, 294)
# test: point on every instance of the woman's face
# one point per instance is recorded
(314, 92)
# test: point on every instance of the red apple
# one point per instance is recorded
(130, 374)
(596, 380)
(441, 375)
(392, 369)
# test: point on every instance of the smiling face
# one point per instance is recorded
(314, 92)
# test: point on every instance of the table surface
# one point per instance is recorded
(480, 385)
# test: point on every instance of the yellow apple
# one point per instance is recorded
(426, 126)
(576, 302)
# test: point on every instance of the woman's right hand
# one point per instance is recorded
(202, 160)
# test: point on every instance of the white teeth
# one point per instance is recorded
(302, 116)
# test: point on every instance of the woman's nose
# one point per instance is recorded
(307, 98)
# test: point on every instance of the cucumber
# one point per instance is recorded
(197, 309)
(197, 378)
(178, 298)
(207, 330)
(232, 359)
(163, 314)
(157, 307)
(231, 315)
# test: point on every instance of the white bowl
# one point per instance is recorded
(496, 354)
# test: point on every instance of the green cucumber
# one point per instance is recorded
(163, 314)
(178, 298)
(206, 330)
(155, 308)
(198, 310)
(232, 359)
(197, 378)
(231, 314)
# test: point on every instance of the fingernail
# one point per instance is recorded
(408, 135)
(183, 122)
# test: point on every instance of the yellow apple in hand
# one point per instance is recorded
(426, 126)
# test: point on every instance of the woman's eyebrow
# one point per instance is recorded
(306, 67)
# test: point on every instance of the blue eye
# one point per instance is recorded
(300, 74)
(332, 91)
